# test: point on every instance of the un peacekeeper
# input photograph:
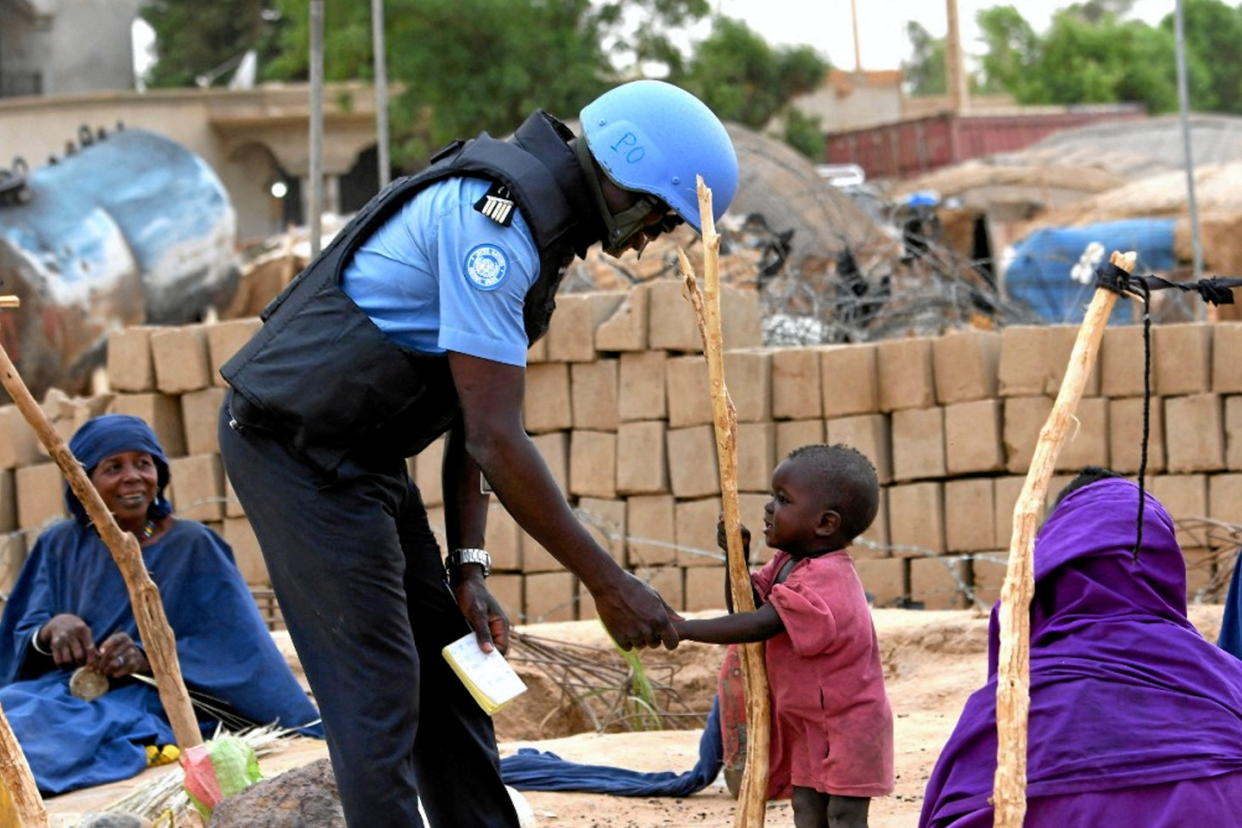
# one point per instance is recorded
(414, 322)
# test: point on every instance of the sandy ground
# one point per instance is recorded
(932, 662)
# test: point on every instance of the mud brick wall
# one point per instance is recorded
(617, 404)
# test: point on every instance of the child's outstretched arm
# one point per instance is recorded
(738, 628)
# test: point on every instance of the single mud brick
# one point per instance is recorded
(1225, 498)
(626, 329)
(1121, 362)
(593, 463)
(1086, 441)
(692, 462)
(503, 540)
(969, 506)
(1006, 491)
(232, 506)
(741, 317)
(508, 591)
(1181, 358)
(1055, 484)
(605, 520)
(198, 487)
(1125, 435)
(1024, 417)
(792, 434)
(246, 552)
(748, 373)
(869, 433)
(670, 318)
(849, 380)
(651, 529)
(916, 519)
(571, 333)
(1022, 369)
(918, 443)
(873, 542)
(751, 508)
(224, 339)
(1201, 579)
(554, 449)
(181, 360)
(904, 368)
(988, 574)
(642, 459)
(547, 405)
(666, 580)
(705, 588)
(1233, 433)
(966, 365)
(756, 456)
(641, 395)
(12, 557)
(1060, 344)
(1194, 433)
(1183, 496)
(884, 580)
(8, 501)
(537, 559)
(40, 495)
(689, 395)
(594, 392)
(939, 583)
(429, 471)
(130, 366)
(550, 596)
(200, 417)
(696, 532)
(585, 602)
(1226, 364)
(18, 444)
(161, 412)
(796, 392)
(1223, 564)
(538, 352)
(973, 437)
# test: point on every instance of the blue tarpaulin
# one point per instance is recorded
(1039, 275)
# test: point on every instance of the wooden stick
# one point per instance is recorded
(18, 780)
(144, 595)
(753, 796)
(1013, 686)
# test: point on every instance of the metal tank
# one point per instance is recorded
(127, 227)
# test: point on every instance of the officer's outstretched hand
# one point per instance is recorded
(484, 613)
(635, 615)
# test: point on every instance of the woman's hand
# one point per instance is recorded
(120, 656)
(69, 639)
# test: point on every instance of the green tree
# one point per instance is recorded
(1214, 65)
(1012, 49)
(924, 73)
(195, 37)
(805, 133)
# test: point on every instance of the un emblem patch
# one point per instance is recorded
(486, 266)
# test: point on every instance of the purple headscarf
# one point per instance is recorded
(102, 437)
(1125, 693)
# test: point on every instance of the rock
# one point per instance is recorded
(305, 797)
(112, 821)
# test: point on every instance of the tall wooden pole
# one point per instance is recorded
(315, 222)
(18, 781)
(381, 92)
(1183, 111)
(955, 75)
(753, 796)
(1013, 685)
(857, 46)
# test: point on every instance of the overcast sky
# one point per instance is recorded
(825, 24)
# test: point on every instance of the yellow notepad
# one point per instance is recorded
(488, 677)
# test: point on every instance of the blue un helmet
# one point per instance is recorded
(652, 137)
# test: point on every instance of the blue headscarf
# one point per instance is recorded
(102, 437)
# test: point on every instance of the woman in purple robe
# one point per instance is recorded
(1135, 718)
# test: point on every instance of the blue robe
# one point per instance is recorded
(223, 646)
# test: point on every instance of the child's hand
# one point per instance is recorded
(723, 542)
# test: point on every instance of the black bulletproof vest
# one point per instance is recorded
(320, 374)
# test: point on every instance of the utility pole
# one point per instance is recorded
(857, 47)
(955, 76)
(381, 91)
(316, 125)
(1183, 100)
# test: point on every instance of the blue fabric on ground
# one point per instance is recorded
(535, 770)
(1231, 624)
(1039, 275)
(224, 648)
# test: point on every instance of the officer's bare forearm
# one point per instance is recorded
(738, 628)
(465, 505)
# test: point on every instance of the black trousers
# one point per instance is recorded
(359, 579)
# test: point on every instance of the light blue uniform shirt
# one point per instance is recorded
(440, 276)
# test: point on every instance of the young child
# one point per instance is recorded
(832, 729)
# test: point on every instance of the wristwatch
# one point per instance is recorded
(470, 555)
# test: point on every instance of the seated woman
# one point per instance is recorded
(70, 608)
(1135, 719)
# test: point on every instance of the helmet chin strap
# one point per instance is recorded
(619, 228)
